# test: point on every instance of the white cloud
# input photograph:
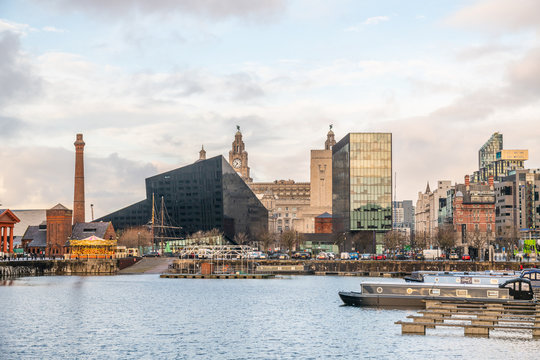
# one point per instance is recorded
(499, 15)
(18, 28)
(375, 20)
(211, 9)
(52, 29)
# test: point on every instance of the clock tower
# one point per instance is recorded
(238, 157)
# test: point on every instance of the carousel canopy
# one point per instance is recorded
(92, 241)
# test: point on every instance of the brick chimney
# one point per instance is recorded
(467, 182)
(78, 199)
(490, 182)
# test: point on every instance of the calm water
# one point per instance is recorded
(143, 316)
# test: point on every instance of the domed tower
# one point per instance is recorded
(238, 157)
(330, 140)
(202, 154)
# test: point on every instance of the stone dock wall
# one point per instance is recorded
(58, 267)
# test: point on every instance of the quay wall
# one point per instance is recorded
(58, 267)
(376, 267)
(404, 267)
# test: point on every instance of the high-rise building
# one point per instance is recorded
(518, 205)
(488, 152)
(496, 162)
(362, 189)
(403, 217)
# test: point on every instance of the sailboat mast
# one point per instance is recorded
(153, 214)
(161, 231)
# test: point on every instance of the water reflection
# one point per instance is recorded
(143, 316)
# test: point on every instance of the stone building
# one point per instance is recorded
(320, 199)
(474, 216)
(238, 157)
(426, 215)
(295, 205)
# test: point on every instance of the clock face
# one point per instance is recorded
(237, 163)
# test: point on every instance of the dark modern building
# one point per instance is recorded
(205, 195)
(362, 189)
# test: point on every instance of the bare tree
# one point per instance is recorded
(135, 237)
(339, 239)
(363, 242)
(479, 241)
(288, 239)
(393, 240)
(267, 240)
(241, 238)
(445, 237)
(420, 240)
(300, 240)
(509, 239)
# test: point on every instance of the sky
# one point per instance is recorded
(149, 82)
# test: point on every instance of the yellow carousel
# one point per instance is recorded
(92, 247)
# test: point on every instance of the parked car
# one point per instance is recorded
(322, 256)
(353, 256)
(402, 257)
(453, 256)
(331, 255)
(365, 256)
(301, 255)
(419, 256)
(466, 257)
(279, 256)
(152, 254)
(345, 256)
(378, 257)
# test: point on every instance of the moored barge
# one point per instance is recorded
(415, 294)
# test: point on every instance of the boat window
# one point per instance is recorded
(511, 286)
(434, 291)
(492, 294)
(476, 280)
(494, 281)
(461, 292)
(527, 275)
(525, 287)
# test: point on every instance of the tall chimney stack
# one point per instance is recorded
(78, 199)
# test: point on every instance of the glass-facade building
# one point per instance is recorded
(362, 188)
(205, 195)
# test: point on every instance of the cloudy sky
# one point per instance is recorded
(149, 82)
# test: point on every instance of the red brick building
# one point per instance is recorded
(323, 224)
(51, 236)
(7, 223)
(474, 216)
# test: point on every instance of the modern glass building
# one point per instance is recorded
(205, 195)
(362, 189)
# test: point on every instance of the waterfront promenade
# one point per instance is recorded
(32, 267)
